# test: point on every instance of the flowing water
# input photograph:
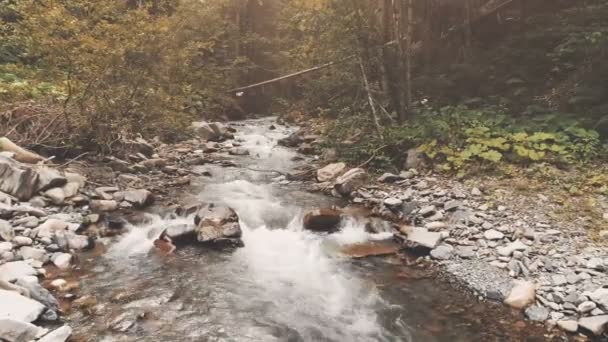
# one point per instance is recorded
(286, 284)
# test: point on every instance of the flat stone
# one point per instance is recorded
(392, 202)
(427, 211)
(493, 235)
(17, 307)
(104, 205)
(330, 172)
(537, 313)
(6, 231)
(50, 227)
(559, 279)
(435, 226)
(58, 335)
(452, 205)
(600, 296)
(465, 252)
(512, 247)
(389, 178)
(595, 324)
(587, 306)
(12, 330)
(22, 241)
(12, 271)
(139, 198)
(568, 326)
(521, 295)
(424, 238)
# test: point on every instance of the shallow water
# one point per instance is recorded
(286, 284)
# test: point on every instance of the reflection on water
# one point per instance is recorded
(286, 284)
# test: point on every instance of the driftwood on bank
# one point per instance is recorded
(21, 154)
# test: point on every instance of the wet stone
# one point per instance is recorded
(537, 313)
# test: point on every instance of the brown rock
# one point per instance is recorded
(323, 220)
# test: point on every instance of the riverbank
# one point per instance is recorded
(494, 239)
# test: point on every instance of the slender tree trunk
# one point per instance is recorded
(408, 57)
(398, 27)
(370, 99)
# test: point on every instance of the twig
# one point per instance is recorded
(73, 159)
(373, 156)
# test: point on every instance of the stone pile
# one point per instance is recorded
(555, 274)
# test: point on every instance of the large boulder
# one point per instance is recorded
(323, 220)
(37, 292)
(330, 172)
(352, 180)
(17, 180)
(218, 224)
(293, 140)
(214, 131)
(17, 307)
(21, 154)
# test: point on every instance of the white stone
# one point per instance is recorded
(521, 295)
(587, 306)
(22, 241)
(435, 226)
(493, 235)
(58, 335)
(104, 205)
(58, 283)
(392, 202)
(600, 296)
(62, 260)
(17, 307)
(56, 195)
(50, 227)
(568, 326)
(6, 231)
(14, 270)
(5, 247)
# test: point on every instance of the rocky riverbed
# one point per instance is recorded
(60, 254)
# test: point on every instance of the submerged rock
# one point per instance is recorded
(323, 220)
(371, 248)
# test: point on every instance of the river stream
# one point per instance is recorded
(286, 284)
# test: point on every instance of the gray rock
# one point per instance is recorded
(58, 335)
(493, 235)
(12, 271)
(537, 313)
(27, 252)
(50, 227)
(17, 307)
(435, 226)
(139, 198)
(49, 178)
(600, 296)
(27, 222)
(559, 279)
(476, 192)
(22, 241)
(414, 159)
(465, 252)
(595, 324)
(452, 205)
(56, 195)
(62, 260)
(424, 238)
(587, 306)
(443, 252)
(568, 326)
(6, 231)
(389, 178)
(427, 210)
(17, 179)
(330, 172)
(392, 202)
(216, 223)
(350, 181)
(512, 247)
(38, 293)
(12, 330)
(103, 205)
(238, 151)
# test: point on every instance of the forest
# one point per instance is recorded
(473, 84)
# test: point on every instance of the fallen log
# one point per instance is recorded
(21, 154)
